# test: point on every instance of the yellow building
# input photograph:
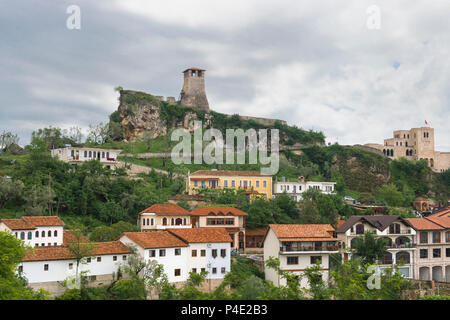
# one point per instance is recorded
(253, 182)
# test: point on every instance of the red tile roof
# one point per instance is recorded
(303, 232)
(256, 231)
(63, 252)
(68, 237)
(204, 211)
(17, 224)
(155, 239)
(228, 173)
(441, 220)
(424, 224)
(202, 235)
(166, 209)
(31, 222)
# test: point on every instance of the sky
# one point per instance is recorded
(356, 70)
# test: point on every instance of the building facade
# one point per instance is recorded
(253, 183)
(36, 231)
(399, 234)
(75, 155)
(299, 247)
(163, 216)
(415, 144)
(296, 189)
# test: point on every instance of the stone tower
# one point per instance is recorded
(193, 93)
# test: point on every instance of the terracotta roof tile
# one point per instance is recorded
(441, 220)
(256, 231)
(166, 209)
(424, 224)
(228, 173)
(63, 252)
(286, 232)
(30, 223)
(68, 237)
(155, 239)
(204, 211)
(202, 235)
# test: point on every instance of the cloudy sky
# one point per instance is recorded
(317, 64)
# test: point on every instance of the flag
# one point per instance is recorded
(426, 122)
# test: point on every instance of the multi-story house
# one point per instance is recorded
(36, 231)
(296, 189)
(433, 248)
(209, 250)
(399, 235)
(77, 155)
(163, 247)
(48, 267)
(299, 247)
(163, 216)
(253, 182)
(232, 219)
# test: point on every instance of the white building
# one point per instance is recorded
(163, 247)
(209, 250)
(77, 155)
(36, 231)
(48, 267)
(163, 216)
(295, 189)
(299, 247)
(399, 235)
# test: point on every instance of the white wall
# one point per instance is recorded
(47, 241)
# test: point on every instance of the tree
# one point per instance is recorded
(80, 250)
(390, 195)
(98, 133)
(12, 284)
(9, 190)
(40, 200)
(252, 289)
(7, 139)
(317, 287)
(369, 248)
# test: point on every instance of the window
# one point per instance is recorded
(90, 154)
(99, 259)
(42, 244)
(49, 233)
(29, 235)
(177, 272)
(55, 243)
(22, 235)
(315, 259)
(162, 252)
(43, 234)
(88, 260)
(194, 253)
(152, 253)
(177, 251)
(49, 244)
(36, 245)
(264, 184)
(436, 253)
(360, 229)
(214, 270)
(194, 270)
(20, 269)
(36, 234)
(436, 237)
(233, 183)
(424, 237)
(292, 260)
(394, 228)
(423, 253)
(447, 252)
(85, 154)
(257, 183)
(55, 233)
(124, 258)
(223, 270)
(214, 253)
(203, 270)
(114, 258)
(203, 253)
(229, 221)
(223, 253)
(225, 183)
(45, 267)
(70, 266)
(447, 236)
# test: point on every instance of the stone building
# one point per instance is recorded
(193, 93)
(415, 144)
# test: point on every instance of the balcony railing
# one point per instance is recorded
(315, 248)
(402, 246)
(401, 232)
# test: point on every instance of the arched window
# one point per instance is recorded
(22, 235)
(29, 235)
(36, 235)
(387, 259)
(164, 221)
(178, 221)
(360, 229)
(387, 241)
(49, 233)
(55, 234)
(402, 257)
(43, 234)
(151, 221)
(431, 163)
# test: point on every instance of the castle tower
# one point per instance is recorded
(193, 93)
